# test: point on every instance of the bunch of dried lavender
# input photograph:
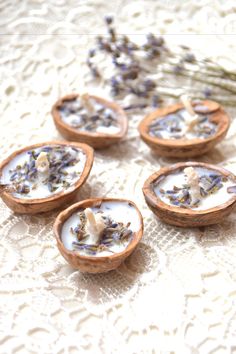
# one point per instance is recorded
(134, 67)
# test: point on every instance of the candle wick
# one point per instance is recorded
(185, 99)
(94, 225)
(193, 117)
(193, 182)
(42, 163)
(86, 103)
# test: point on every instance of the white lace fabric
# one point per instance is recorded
(176, 293)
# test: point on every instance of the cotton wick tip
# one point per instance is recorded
(193, 183)
(86, 103)
(42, 163)
(185, 99)
(94, 224)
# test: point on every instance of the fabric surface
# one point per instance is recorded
(177, 291)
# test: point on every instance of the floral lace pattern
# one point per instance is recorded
(176, 293)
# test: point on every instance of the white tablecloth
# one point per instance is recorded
(177, 292)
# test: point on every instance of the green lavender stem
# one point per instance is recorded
(202, 80)
(165, 92)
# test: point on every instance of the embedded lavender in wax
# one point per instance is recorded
(194, 188)
(85, 114)
(43, 171)
(182, 125)
(101, 230)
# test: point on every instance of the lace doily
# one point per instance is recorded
(177, 292)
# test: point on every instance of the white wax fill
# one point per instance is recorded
(178, 179)
(108, 130)
(42, 190)
(118, 211)
(70, 118)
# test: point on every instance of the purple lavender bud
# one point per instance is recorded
(114, 81)
(94, 118)
(108, 19)
(150, 37)
(92, 52)
(207, 92)
(178, 69)
(149, 84)
(189, 58)
(156, 100)
(95, 72)
(112, 33)
(76, 229)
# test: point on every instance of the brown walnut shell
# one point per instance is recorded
(95, 139)
(186, 217)
(93, 264)
(40, 205)
(185, 147)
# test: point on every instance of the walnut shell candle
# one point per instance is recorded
(90, 119)
(191, 194)
(94, 249)
(168, 132)
(44, 176)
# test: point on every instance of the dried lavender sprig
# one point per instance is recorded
(191, 71)
(194, 68)
(216, 68)
(195, 77)
(206, 63)
(156, 49)
(171, 92)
